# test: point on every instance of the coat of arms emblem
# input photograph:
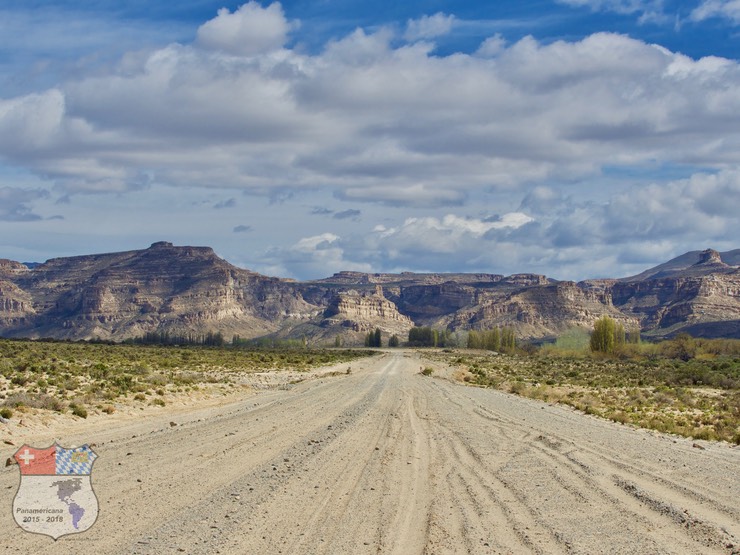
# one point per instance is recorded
(55, 496)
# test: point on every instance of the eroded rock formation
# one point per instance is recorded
(191, 290)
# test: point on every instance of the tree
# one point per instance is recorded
(393, 341)
(374, 338)
(423, 337)
(503, 339)
(607, 335)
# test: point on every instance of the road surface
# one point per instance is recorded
(385, 460)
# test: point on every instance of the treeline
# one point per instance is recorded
(375, 339)
(609, 338)
(211, 339)
(429, 337)
(497, 339)
(608, 335)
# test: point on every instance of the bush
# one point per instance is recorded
(5, 412)
(427, 371)
(78, 410)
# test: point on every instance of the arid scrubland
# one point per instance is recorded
(78, 377)
(698, 398)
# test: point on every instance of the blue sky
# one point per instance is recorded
(574, 138)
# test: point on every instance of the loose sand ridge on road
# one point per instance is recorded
(385, 460)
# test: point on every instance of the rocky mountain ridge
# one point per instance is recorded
(186, 290)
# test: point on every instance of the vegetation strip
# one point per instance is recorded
(61, 376)
(649, 385)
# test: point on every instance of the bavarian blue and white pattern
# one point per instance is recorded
(76, 461)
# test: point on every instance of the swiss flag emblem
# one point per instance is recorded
(36, 461)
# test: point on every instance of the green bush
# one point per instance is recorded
(5, 412)
(78, 410)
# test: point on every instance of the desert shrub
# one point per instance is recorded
(428, 371)
(78, 410)
(36, 401)
(5, 412)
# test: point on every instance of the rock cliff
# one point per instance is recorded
(186, 290)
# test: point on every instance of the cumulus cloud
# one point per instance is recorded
(374, 118)
(492, 46)
(447, 235)
(313, 257)
(248, 31)
(564, 237)
(429, 26)
(729, 9)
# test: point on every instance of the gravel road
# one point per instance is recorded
(385, 460)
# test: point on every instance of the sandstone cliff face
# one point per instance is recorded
(191, 290)
(680, 301)
(179, 289)
(542, 311)
(363, 312)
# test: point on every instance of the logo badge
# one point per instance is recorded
(55, 496)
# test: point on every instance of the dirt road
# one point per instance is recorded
(384, 460)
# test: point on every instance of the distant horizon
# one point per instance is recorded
(569, 138)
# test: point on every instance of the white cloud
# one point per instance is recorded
(649, 10)
(429, 26)
(313, 257)
(248, 31)
(492, 46)
(729, 9)
(447, 235)
(374, 120)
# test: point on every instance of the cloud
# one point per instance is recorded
(243, 229)
(313, 257)
(229, 203)
(429, 26)
(248, 31)
(729, 9)
(373, 118)
(347, 214)
(492, 46)
(15, 204)
(321, 211)
(650, 10)
(562, 236)
(448, 235)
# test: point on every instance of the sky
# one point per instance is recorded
(572, 138)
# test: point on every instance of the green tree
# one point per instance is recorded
(393, 341)
(607, 335)
(374, 338)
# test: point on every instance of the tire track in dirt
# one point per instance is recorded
(385, 460)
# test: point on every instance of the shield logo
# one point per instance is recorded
(55, 496)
